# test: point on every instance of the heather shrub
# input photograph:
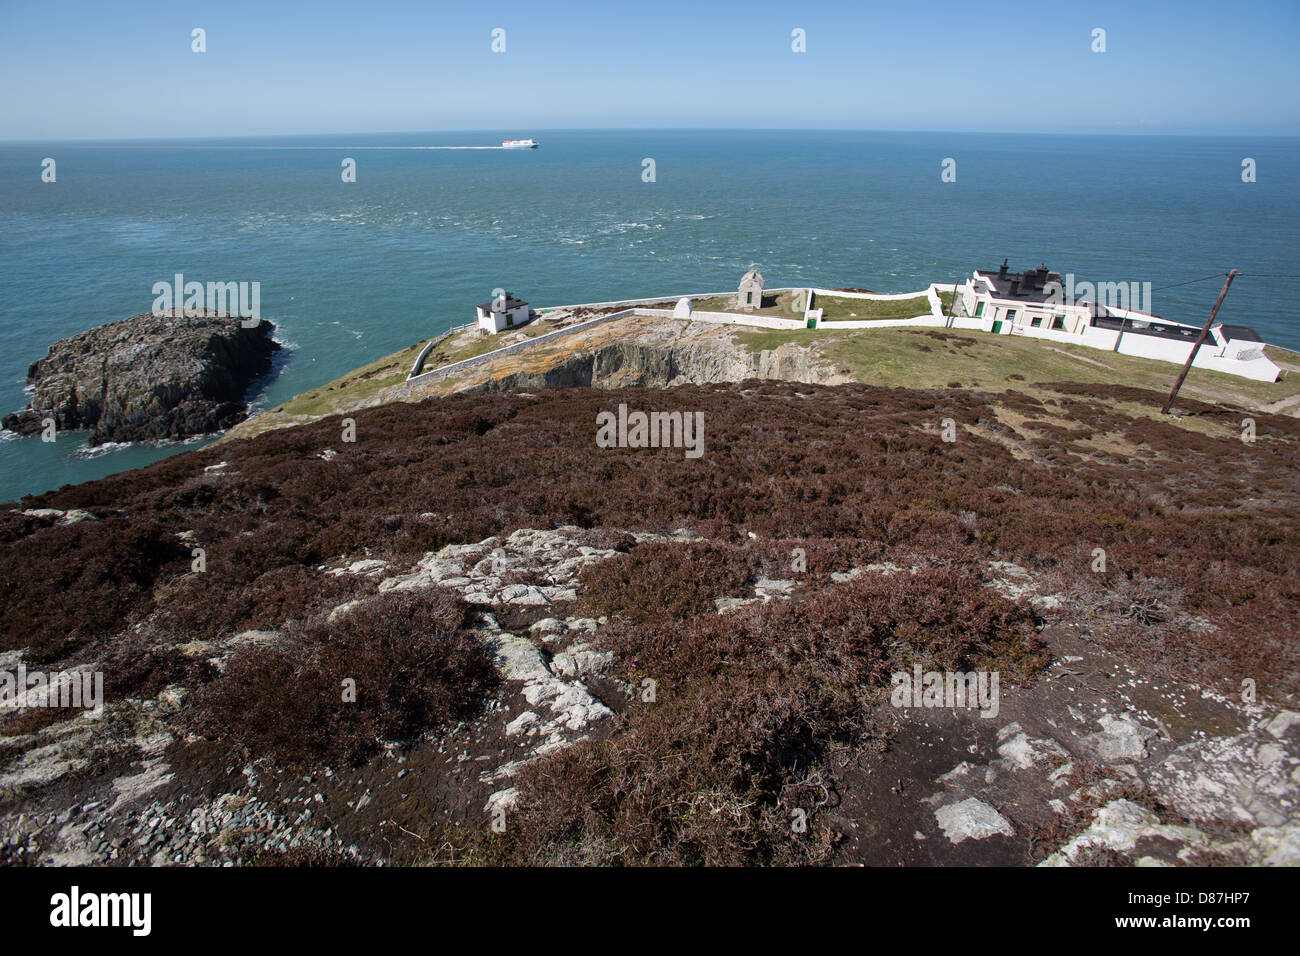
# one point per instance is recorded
(854, 473)
(64, 585)
(414, 667)
(748, 706)
(212, 605)
(135, 666)
(662, 579)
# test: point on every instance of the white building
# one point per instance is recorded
(503, 312)
(750, 295)
(1034, 303)
(1020, 303)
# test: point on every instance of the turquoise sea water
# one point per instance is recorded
(350, 272)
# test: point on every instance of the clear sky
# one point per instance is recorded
(78, 69)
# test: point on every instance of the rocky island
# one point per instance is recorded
(148, 377)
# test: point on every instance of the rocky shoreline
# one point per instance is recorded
(167, 376)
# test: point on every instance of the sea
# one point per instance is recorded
(351, 271)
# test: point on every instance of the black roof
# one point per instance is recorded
(1242, 333)
(1146, 326)
(1031, 286)
(511, 303)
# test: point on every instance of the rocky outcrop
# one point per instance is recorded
(147, 377)
(640, 364)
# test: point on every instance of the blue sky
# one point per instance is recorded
(124, 69)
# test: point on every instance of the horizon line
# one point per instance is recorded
(650, 129)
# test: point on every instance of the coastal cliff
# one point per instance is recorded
(148, 377)
(648, 364)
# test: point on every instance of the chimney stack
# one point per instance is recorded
(1002, 273)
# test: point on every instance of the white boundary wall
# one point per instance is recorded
(1211, 356)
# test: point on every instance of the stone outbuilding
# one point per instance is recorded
(750, 296)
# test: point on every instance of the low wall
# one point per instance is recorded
(418, 366)
(445, 370)
(1260, 369)
(929, 321)
(930, 293)
(758, 321)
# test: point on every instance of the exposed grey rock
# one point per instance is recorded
(971, 819)
(147, 377)
(1119, 826)
(1121, 738)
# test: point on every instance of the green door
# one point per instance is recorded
(997, 326)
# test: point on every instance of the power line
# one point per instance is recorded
(1217, 275)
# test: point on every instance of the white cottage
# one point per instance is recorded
(1034, 303)
(503, 312)
(1023, 303)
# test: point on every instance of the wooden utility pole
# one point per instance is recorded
(1232, 274)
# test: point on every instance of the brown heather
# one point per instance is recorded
(754, 707)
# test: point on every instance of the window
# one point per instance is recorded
(1036, 322)
(979, 308)
(1058, 323)
(1011, 315)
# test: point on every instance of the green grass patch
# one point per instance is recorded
(843, 309)
(935, 358)
(779, 305)
(356, 386)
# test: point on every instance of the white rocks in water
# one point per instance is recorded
(1119, 826)
(971, 819)
(1120, 738)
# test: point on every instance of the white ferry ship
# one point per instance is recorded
(519, 144)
